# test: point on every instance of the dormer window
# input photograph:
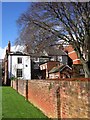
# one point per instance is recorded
(19, 60)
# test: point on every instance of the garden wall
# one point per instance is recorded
(68, 98)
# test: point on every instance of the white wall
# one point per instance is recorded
(13, 66)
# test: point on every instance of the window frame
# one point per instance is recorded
(19, 60)
(19, 73)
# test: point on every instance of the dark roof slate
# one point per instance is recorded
(51, 51)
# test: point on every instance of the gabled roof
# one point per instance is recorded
(49, 52)
(52, 51)
(39, 55)
(59, 68)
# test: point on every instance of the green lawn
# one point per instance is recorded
(15, 106)
(0, 102)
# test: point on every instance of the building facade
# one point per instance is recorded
(19, 66)
(46, 67)
(77, 67)
(72, 54)
(16, 65)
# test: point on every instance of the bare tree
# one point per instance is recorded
(48, 22)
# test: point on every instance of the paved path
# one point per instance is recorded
(15, 106)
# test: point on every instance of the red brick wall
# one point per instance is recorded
(74, 99)
(72, 54)
(13, 84)
(19, 86)
(22, 87)
(69, 48)
(40, 95)
(67, 98)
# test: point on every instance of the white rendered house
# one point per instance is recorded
(19, 65)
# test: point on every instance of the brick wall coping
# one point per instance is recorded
(65, 79)
(71, 79)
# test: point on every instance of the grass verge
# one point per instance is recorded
(15, 106)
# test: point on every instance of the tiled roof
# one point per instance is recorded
(39, 55)
(51, 51)
(58, 68)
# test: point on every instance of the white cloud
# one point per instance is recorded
(2, 52)
(17, 48)
(13, 49)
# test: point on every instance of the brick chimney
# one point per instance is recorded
(9, 47)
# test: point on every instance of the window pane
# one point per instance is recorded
(19, 72)
(19, 60)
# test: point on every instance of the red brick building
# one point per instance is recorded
(46, 67)
(61, 71)
(72, 54)
(77, 66)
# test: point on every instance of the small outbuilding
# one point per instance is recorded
(61, 71)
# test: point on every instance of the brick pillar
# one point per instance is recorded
(17, 85)
(58, 103)
(26, 89)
